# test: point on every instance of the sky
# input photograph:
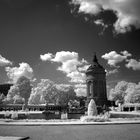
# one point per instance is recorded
(56, 40)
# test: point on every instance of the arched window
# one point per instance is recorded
(91, 88)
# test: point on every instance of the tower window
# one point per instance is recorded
(91, 88)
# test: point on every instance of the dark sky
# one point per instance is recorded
(29, 28)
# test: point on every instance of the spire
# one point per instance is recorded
(95, 60)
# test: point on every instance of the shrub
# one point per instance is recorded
(14, 115)
(98, 118)
(7, 114)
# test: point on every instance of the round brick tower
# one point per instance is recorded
(96, 83)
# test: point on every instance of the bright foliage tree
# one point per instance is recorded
(125, 92)
(1, 98)
(10, 98)
(49, 92)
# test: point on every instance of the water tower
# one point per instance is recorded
(96, 83)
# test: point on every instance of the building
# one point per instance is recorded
(96, 83)
(4, 88)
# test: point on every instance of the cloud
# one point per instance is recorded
(77, 77)
(127, 11)
(80, 89)
(4, 61)
(83, 68)
(65, 56)
(100, 22)
(89, 7)
(46, 57)
(134, 64)
(126, 53)
(114, 58)
(110, 72)
(70, 64)
(14, 73)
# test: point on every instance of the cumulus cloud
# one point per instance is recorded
(46, 57)
(4, 61)
(90, 7)
(14, 73)
(114, 58)
(110, 72)
(126, 53)
(80, 89)
(77, 77)
(134, 64)
(70, 64)
(127, 11)
(65, 56)
(83, 68)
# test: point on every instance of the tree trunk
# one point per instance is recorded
(26, 104)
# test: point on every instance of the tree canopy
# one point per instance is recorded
(125, 92)
(49, 92)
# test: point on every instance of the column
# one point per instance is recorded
(88, 94)
(135, 108)
(91, 89)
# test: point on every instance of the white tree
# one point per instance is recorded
(2, 97)
(36, 98)
(18, 99)
(119, 92)
(13, 91)
(133, 93)
(49, 92)
(126, 92)
(44, 92)
(135, 97)
(129, 92)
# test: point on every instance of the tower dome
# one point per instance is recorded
(95, 67)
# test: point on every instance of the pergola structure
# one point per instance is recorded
(130, 107)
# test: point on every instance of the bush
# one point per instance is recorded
(7, 114)
(14, 115)
(99, 118)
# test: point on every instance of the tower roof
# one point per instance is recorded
(95, 66)
(95, 60)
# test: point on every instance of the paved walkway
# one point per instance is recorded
(74, 132)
